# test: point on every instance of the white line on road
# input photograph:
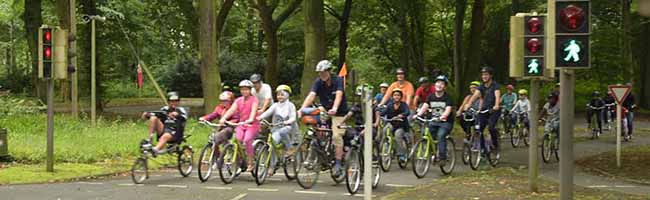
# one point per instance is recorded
(238, 197)
(597, 186)
(398, 185)
(624, 186)
(90, 183)
(263, 189)
(309, 192)
(357, 195)
(217, 188)
(173, 186)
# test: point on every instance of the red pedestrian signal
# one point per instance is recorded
(534, 25)
(533, 45)
(572, 17)
(47, 53)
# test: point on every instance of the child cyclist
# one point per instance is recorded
(521, 106)
(397, 109)
(226, 99)
(248, 128)
(283, 112)
(439, 103)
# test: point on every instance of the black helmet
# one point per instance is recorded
(595, 94)
(423, 79)
(256, 78)
(488, 70)
(442, 78)
(173, 96)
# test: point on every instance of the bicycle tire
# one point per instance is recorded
(386, 154)
(546, 148)
(475, 151)
(289, 166)
(228, 164)
(139, 171)
(212, 156)
(450, 164)
(353, 172)
(185, 156)
(309, 167)
(262, 164)
(421, 159)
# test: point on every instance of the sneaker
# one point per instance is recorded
(402, 158)
(337, 170)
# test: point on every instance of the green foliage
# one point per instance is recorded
(123, 89)
(11, 106)
(185, 78)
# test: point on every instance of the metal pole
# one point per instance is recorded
(618, 134)
(50, 126)
(567, 81)
(367, 151)
(93, 89)
(533, 159)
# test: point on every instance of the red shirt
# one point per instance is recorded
(422, 93)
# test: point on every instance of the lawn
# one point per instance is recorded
(499, 183)
(634, 164)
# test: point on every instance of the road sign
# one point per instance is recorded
(620, 92)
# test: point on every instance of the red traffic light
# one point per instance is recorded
(572, 17)
(47, 52)
(47, 36)
(534, 25)
(533, 45)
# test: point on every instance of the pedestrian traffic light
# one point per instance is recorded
(534, 54)
(572, 29)
(45, 52)
(52, 53)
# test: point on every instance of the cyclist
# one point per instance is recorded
(508, 100)
(283, 112)
(551, 111)
(489, 90)
(522, 106)
(466, 125)
(226, 98)
(610, 102)
(248, 128)
(356, 114)
(398, 109)
(262, 92)
(423, 91)
(169, 128)
(440, 104)
(380, 95)
(329, 89)
(595, 102)
(629, 104)
(402, 84)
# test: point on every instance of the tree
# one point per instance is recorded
(210, 78)
(475, 36)
(315, 47)
(33, 20)
(63, 14)
(344, 23)
(270, 27)
(459, 81)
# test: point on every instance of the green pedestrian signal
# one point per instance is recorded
(572, 51)
(534, 66)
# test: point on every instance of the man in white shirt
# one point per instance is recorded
(263, 93)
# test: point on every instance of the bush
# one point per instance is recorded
(10, 105)
(124, 89)
(184, 78)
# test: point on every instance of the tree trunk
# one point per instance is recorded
(644, 89)
(271, 70)
(33, 20)
(627, 42)
(63, 14)
(475, 37)
(315, 47)
(210, 78)
(460, 82)
(343, 31)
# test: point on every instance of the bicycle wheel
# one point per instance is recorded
(494, 155)
(376, 171)
(546, 148)
(229, 165)
(289, 165)
(449, 165)
(404, 163)
(525, 134)
(475, 151)
(209, 155)
(308, 164)
(262, 164)
(515, 136)
(466, 153)
(556, 147)
(421, 159)
(139, 171)
(353, 172)
(185, 161)
(386, 155)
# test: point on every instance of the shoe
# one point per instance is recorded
(402, 158)
(442, 162)
(337, 170)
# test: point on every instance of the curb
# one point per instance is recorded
(646, 183)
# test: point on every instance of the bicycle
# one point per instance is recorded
(210, 152)
(480, 145)
(505, 125)
(610, 113)
(551, 141)
(184, 155)
(520, 131)
(471, 117)
(387, 147)
(270, 156)
(230, 163)
(314, 153)
(595, 131)
(426, 149)
(355, 163)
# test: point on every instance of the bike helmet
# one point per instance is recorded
(442, 78)
(173, 96)
(256, 78)
(423, 79)
(595, 94)
(510, 87)
(245, 83)
(400, 71)
(475, 83)
(397, 90)
(488, 70)
(283, 87)
(361, 88)
(523, 92)
(225, 96)
(323, 65)
(383, 85)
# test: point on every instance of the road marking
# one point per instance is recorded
(238, 197)
(309, 192)
(181, 176)
(597, 186)
(398, 185)
(173, 186)
(357, 195)
(90, 183)
(263, 189)
(624, 186)
(274, 179)
(217, 188)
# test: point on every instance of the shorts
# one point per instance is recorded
(177, 136)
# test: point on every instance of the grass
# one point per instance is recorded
(500, 183)
(634, 164)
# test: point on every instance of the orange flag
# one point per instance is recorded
(343, 73)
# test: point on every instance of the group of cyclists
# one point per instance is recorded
(400, 102)
(601, 110)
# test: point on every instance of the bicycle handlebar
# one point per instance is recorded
(267, 123)
(433, 119)
(350, 126)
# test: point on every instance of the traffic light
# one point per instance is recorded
(45, 52)
(572, 29)
(534, 46)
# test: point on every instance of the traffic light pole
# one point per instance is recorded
(50, 126)
(367, 146)
(567, 101)
(73, 62)
(533, 159)
(93, 87)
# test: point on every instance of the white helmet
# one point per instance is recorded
(246, 83)
(323, 65)
(383, 85)
(225, 96)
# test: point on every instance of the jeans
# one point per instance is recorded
(401, 138)
(491, 120)
(630, 122)
(598, 114)
(281, 136)
(441, 134)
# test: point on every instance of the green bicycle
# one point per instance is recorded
(270, 156)
(233, 159)
(388, 148)
(423, 151)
